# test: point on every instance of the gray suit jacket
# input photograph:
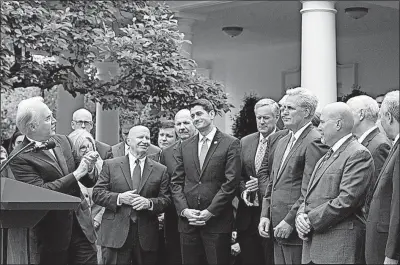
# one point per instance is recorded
(119, 149)
(115, 178)
(379, 146)
(104, 150)
(286, 189)
(383, 225)
(333, 202)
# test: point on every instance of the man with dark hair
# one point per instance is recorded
(203, 186)
(166, 135)
(379, 99)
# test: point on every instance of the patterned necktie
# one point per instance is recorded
(136, 176)
(326, 157)
(203, 152)
(262, 146)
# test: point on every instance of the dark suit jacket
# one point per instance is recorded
(212, 188)
(104, 150)
(285, 191)
(379, 146)
(333, 202)
(383, 225)
(116, 178)
(119, 149)
(54, 230)
(169, 159)
(251, 215)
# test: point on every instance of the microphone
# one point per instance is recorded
(45, 146)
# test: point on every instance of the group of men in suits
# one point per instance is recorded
(319, 187)
(306, 195)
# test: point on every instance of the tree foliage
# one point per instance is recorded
(244, 123)
(73, 38)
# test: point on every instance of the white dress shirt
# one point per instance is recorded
(339, 143)
(132, 165)
(366, 133)
(396, 139)
(300, 131)
(126, 149)
(209, 136)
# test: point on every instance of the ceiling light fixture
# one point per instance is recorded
(356, 12)
(232, 31)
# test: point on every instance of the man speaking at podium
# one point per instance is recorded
(64, 237)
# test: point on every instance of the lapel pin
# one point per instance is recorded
(215, 142)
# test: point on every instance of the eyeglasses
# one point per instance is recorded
(87, 123)
(85, 148)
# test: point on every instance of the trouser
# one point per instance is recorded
(131, 252)
(287, 254)
(215, 248)
(80, 250)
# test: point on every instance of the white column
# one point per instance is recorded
(185, 24)
(318, 50)
(107, 121)
(66, 106)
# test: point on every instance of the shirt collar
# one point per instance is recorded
(263, 139)
(133, 159)
(339, 143)
(301, 130)
(126, 149)
(396, 139)
(36, 142)
(365, 134)
(209, 136)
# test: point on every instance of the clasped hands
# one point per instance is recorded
(87, 164)
(135, 200)
(197, 217)
(282, 230)
(251, 186)
(303, 226)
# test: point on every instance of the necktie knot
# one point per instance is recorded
(328, 154)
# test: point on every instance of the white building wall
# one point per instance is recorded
(259, 70)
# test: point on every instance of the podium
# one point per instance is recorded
(22, 206)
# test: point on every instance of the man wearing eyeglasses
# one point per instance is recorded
(82, 119)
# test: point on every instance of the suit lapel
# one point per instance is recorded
(122, 149)
(296, 145)
(392, 152)
(370, 136)
(126, 170)
(148, 167)
(294, 148)
(214, 143)
(174, 152)
(195, 151)
(279, 156)
(61, 159)
(253, 152)
(318, 173)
